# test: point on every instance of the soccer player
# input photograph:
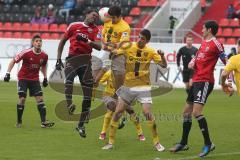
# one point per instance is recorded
(137, 87)
(33, 60)
(83, 37)
(233, 65)
(186, 53)
(114, 33)
(111, 105)
(203, 81)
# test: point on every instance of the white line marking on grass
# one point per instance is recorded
(196, 157)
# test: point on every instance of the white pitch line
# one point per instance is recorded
(195, 157)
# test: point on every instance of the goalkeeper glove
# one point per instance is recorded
(7, 77)
(45, 82)
(59, 65)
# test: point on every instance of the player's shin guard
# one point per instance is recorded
(42, 110)
(153, 127)
(187, 124)
(137, 124)
(86, 104)
(20, 109)
(68, 92)
(106, 121)
(204, 128)
(112, 131)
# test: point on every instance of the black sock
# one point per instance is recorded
(204, 128)
(68, 92)
(187, 124)
(42, 111)
(85, 115)
(187, 90)
(20, 109)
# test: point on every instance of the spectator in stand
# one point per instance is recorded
(79, 7)
(173, 21)
(230, 11)
(232, 53)
(67, 7)
(50, 14)
(8, 2)
(19, 2)
(37, 15)
(203, 6)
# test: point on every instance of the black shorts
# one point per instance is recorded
(199, 92)
(187, 75)
(33, 86)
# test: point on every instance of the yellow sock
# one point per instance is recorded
(106, 121)
(112, 132)
(137, 124)
(153, 128)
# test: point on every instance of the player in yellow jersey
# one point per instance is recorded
(232, 65)
(137, 87)
(114, 33)
(111, 105)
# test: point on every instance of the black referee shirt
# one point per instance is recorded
(187, 54)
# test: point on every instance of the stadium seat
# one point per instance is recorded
(231, 41)
(17, 35)
(222, 40)
(147, 3)
(136, 11)
(26, 35)
(16, 26)
(53, 28)
(7, 26)
(7, 35)
(1, 34)
(25, 26)
(62, 27)
(55, 36)
(227, 32)
(45, 36)
(234, 23)
(219, 33)
(1, 25)
(236, 32)
(35, 27)
(43, 27)
(224, 22)
(128, 19)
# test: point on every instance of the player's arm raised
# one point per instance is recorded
(163, 62)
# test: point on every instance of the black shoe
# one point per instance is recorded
(81, 131)
(179, 147)
(71, 108)
(47, 124)
(206, 150)
(122, 123)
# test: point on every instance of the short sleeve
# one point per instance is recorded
(68, 32)
(20, 56)
(156, 57)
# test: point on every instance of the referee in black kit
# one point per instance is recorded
(187, 53)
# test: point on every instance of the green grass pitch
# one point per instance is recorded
(63, 143)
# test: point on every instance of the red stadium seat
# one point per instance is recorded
(224, 22)
(148, 3)
(16, 26)
(7, 35)
(234, 23)
(45, 36)
(222, 40)
(53, 27)
(219, 33)
(231, 41)
(1, 34)
(35, 27)
(26, 35)
(236, 32)
(136, 11)
(128, 19)
(25, 26)
(62, 27)
(7, 26)
(1, 25)
(43, 27)
(227, 32)
(55, 36)
(17, 35)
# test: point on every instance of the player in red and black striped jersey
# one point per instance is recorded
(33, 60)
(83, 36)
(203, 82)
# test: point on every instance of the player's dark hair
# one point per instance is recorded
(238, 42)
(189, 36)
(212, 25)
(91, 10)
(115, 11)
(146, 33)
(35, 37)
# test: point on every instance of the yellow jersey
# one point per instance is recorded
(234, 65)
(109, 89)
(138, 63)
(116, 33)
